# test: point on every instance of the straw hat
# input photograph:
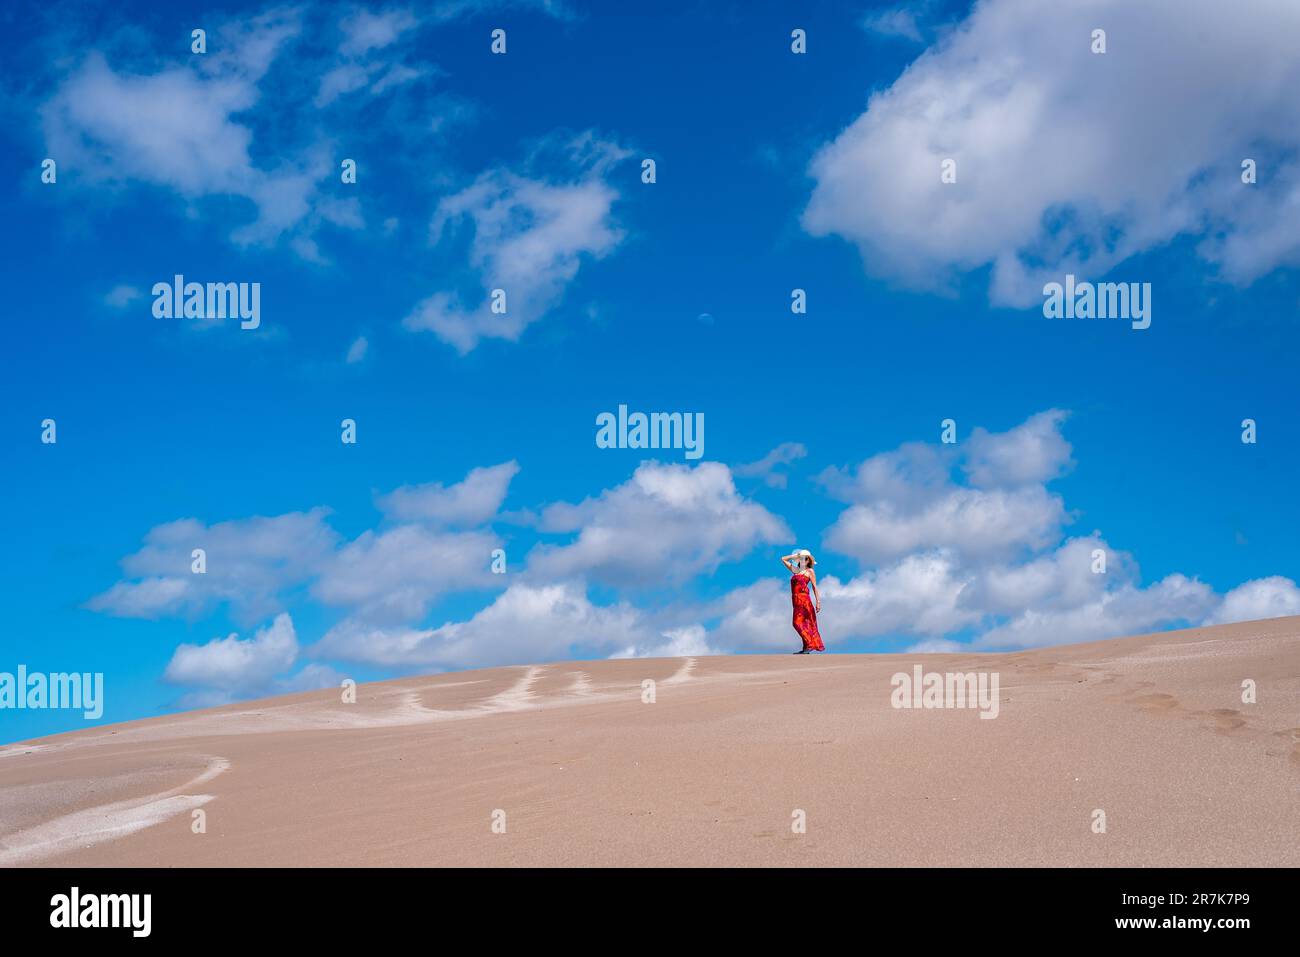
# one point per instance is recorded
(804, 553)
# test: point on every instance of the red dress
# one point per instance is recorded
(805, 619)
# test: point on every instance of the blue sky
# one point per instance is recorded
(775, 171)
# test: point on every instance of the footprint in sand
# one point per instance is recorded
(1292, 735)
(1226, 720)
(1156, 703)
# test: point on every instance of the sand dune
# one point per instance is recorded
(1150, 730)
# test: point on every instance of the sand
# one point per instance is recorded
(721, 768)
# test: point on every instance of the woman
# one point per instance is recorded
(802, 577)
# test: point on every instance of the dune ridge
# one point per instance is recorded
(717, 765)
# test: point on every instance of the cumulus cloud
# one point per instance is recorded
(233, 668)
(1127, 610)
(1034, 451)
(1070, 161)
(922, 594)
(526, 623)
(757, 617)
(387, 574)
(960, 547)
(531, 233)
(666, 524)
(249, 563)
(1054, 599)
(1067, 577)
(225, 668)
(232, 662)
(931, 593)
(753, 617)
(310, 677)
(673, 643)
(474, 500)
(984, 558)
(910, 476)
(1272, 597)
(906, 501)
(973, 522)
(396, 575)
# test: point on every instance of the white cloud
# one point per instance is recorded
(387, 575)
(396, 575)
(755, 617)
(364, 31)
(121, 296)
(766, 467)
(983, 559)
(1063, 578)
(249, 563)
(474, 500)
(525, 624)
(982, 562)
(311, 677)
(233, 668)
(530, 236)
(911, 476)
(1272, 597)
(936, 646)
(1052, 597)
(931, 595)
(357, 351)
(182, 127)
(1032, 452)
(366, 58)
(1070, 161)
(977, 523)
(371, 47)
(674, 643)
(234, 665)
(923, 594)
(902, 21)
(905, 501)
(147, 598)
(451, 9)
(666, 524)
(1127, 610)
(172, 127)
(344, 78)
